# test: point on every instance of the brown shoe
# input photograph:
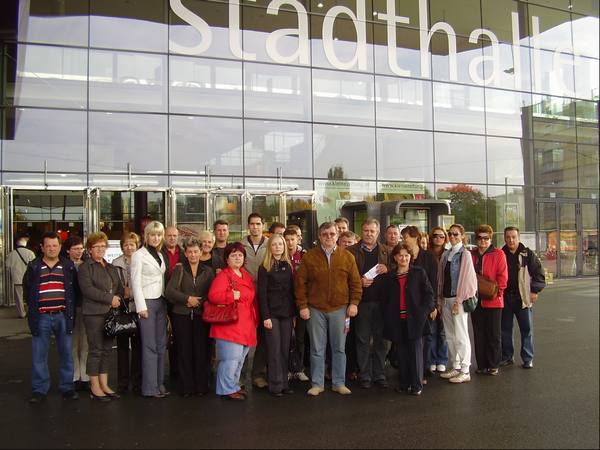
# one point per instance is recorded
(235, 396)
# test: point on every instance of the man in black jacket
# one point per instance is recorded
(525, 281)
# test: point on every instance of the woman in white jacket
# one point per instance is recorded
(147, 283)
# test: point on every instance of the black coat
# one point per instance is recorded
(276, 292)
(419, 303)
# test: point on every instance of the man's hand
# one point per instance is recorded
(381, 269)
(366, 282)
(352, 311)
(268, 324)
(305, 313)
(533, 296)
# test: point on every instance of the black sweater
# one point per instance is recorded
(276, 292)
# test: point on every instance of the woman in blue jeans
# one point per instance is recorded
(233, 340)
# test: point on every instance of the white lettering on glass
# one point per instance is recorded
(359, 21)
(198, 24)
(392, 19)
(235, 35)
(302, 55)
(425, 38)
(495, 58)
(516, 47)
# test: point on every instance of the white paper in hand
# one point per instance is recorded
(371, 274)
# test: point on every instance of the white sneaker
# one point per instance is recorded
(315, 390)
(441, 368)
(461, 378)
(432, 368)
(451, 374)
(301, 376)
(343, 390)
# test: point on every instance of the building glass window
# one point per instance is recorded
(119, 139)
(469, 203)
(588, 166)
(553, 74)
(458, 108)
(509, 161)
(403, 103)
(442, 64)
(555, 164)
(553, 118)
(497, 17)
(508, 113)
(407, 54)
(273, 148)
(404, 155)
(331, 195)
(196, 142)
(555, 27)
(510, 206)
(585, 34)
(459, 158)
(587, 78)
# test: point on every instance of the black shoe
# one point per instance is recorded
(159, 395)
(100, 398)
(416, 391)
(528, 365)
(507, 362)
(401, 390)
(70, 395)
(365, 384)
(77, 385)
(186, 395)
(287, 391)
(275, 394)
(36, 397)
(383, 384)
(113, 395)
(492, 371)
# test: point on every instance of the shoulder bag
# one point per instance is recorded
(487, 288)
(470, 304)
(221, 314)
(120, 322)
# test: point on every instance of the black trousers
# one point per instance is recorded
(172, 346)
(278, 353)
(193, 350)
(301, 336)
(351, 362)
(100, 346)
(129, 370)
(487, 335)
(410, 360)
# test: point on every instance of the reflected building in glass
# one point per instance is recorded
(115, 112)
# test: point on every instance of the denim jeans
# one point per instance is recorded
(40, 345)
(319, 324)
(513, 307)
(231, 359)
(438, 352)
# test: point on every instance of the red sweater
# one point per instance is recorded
(495, 268)
(242, 332)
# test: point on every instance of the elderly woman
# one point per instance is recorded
(407, 300)
(233, 340)
(128, 370)
(456, 283)
(207, 241)
(101, 290)
(147, 284)
(489, 262)
(187, 291)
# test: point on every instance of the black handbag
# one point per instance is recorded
(296, 361)
(120, 322)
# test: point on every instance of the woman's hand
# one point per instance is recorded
(433, 314)
(455, 308)
(236, 295)
(268, 324)
(116, 302)
(305, 313)
(143, 314)
(193, 302)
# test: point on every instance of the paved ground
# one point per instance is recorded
(555, 405)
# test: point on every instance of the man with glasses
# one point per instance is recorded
(525, 281)
(328, 291)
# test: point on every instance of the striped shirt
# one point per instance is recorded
(52, 289)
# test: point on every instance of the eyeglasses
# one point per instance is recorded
(453, 233)
(328, 234)
(99, 246)
(483, 238)
(439, 236)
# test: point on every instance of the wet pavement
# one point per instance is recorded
(555, 405)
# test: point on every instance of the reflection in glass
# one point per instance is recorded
(191, 213)
(555, 164)
(553, 118)
(508, 75)
(51, 76)
(228, 207)
(463, 15)
(508, 113)
(458, 108)
(507, 160)
(332, 194)
(277, 92)
(205, 86)
(497, 16)
(459, 158)
(585, 34)
(587, 122)
(587, 78)
(128, 81)
(408, 55)
(118, 139)
(342, 153)
(124, 181)
(510, 206)
(589, 238)
(62, 22)
(277, 149)
(468, 204)
(442, 63)
(34, 136)
(568, 240)
(554, 73)
(129, 24)
(342, 97)
(404, 155)
(403, 102)
(588, 166)
(197, 142)
(547, 235)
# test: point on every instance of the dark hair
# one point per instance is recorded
(234, 247)
(275, 225)
(392, 226)
(326, 226)
(433, 230)
(72, 241)
(485, 228)
(412, 231)
(255, 215)
(50, 235)
(290, 232)
(402, 246)
(511, 229)
(342, 219)
(220, 222)
(349, 234)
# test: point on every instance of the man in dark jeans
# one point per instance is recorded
(369, 254)
(49, 287)
(525, 281)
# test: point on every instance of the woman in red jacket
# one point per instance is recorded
(234, 340)
(487, 318)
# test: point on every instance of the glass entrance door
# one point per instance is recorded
(229, 206)
(129, 211)
(267, 205)
(589, 238)
(191, 213)
(568, 245)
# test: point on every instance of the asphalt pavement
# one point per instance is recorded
(554, 405)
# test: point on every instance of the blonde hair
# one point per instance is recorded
(155, 227)
(269, 258)
(205, 234)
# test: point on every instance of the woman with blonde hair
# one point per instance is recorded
(277, 309)
(147, 284)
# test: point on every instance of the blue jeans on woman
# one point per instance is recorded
(40, 345)
(231, 360)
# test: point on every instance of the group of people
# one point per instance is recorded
(343, 301)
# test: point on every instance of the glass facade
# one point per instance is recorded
(491, 104)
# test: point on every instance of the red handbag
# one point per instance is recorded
(221, 314)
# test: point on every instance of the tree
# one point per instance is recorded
(468, 205)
